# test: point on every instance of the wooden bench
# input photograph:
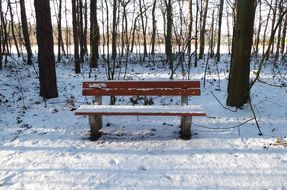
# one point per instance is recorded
(141, 88)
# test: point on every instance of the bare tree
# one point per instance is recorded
(25, 32)
(202, 30)
(114, 38)
(154, 21)
(94, 35)
(46, 57)
(12, 26)
(168, 37)
(76, 37)
(143, 10)
(1, 34)
(60, 36)
(220, 14)
(189, 36)
(238, 85)
(257, 41)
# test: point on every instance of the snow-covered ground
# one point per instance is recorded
(45, 146)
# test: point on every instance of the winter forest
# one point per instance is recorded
(90, 94)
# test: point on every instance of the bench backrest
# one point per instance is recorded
(141, 88)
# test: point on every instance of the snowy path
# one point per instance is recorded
(49, 147)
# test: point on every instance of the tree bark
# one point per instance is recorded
(154, 21)
(142, 9)
(26, 32)
(220, 14)
(282, 49)
(76, 37)
(13, 28)
(1, 34)
(60, 36)
(46, 57)
(168, 38)
(95, 35)
(202, 31)
(238, 85)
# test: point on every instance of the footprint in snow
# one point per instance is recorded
(141, 167)
(113, 162)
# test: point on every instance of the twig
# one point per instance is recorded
(205, 71)
(255, 118)
(225, 128)
(268, 49)
(19, 81)
(222, 104)
(279, 86)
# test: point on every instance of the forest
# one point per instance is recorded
(235, 51)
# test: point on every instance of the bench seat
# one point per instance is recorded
(140, 110)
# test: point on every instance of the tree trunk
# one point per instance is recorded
(153, 28)
(85, 28)
(114, 38)
(189, 37)
(266, 27)
(76, 37)
(95, 35)
(80, 19)
(13, 28)
(273, 25)
(1, 34)
(202, 31)
(168, 39)
(259, 30)
(142, 9)
(26, 32)
(238, 85)
(196, 35)
(282, 49)
(60, 36)
(280, 9)
(220, 14)
(211, 43)
(46, 57)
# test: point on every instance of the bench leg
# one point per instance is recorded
(184, 102)
(186, 127)
(95, 125)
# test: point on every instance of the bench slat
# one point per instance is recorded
(140, 110)
(141, 92)
(142, 84)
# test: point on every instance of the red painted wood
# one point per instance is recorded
(141, 92)
(142, 84)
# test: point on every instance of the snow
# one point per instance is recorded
(138, 109)
(99, 85)
(45, 146)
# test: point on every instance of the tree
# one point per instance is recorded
(220, 14)
(76, 37)
(238, 85)
(202, 31)
(168, 37)
(60, 36)
(95, 35)
(114, 38)
(154, 21)
(13, 28)
(26, 32)
(46, 57)
(1, 63)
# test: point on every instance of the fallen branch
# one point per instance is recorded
(222, 104)
(274, 85)
(225, 128)
(255, 118)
